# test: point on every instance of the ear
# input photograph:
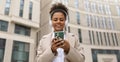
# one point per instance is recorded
(50, 21)
(66, 22)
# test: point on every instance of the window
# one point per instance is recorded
(87, 6)
(66, 2)
(111, 23)
(96, 21)
(80, 36)
(116, 39)
(107, 10)
(93, 7)
(103, 22)
(63, 1)
(2, 49)
(99, 23)
(98, 38)
(95, 52)
(113, 40)
(7, 7)
(89, 20)
(22, 30)
(21, 8)
(93, 37)
(20, 52)
(101, 38)
(105, 36)
(76, 3)
(30, 10)
(3, 25)
(60, 1)
(78, 17)
(101, 7)
(90, 37)
(118, 10)
(108, 37)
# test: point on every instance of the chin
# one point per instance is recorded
(59, 30)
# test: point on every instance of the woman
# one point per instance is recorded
(48, 45)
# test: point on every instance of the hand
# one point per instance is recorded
(66, 46)
(56, 43)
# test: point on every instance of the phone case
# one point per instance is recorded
(59, 34)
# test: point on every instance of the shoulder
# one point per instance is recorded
(46, 36)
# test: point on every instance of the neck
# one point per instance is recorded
(58, 30)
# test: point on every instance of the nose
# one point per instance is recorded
(58, 21)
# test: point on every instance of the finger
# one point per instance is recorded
(59, 43)
(54, 39)
(62, 46)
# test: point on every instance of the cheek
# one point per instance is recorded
(63, 23)
(52, 23)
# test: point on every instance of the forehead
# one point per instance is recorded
(58, 14)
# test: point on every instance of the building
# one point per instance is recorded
(96, 22)
(19, 22)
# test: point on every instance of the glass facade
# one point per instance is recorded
(20, 52)
(116, 39)
(7, 7)
(61, 1)
(99, 22)
(2, 49)
(3, 25)
(21, 8)
(23, 30)
(118, 10)
(78, 17)
(76, 3)
(80, 36)
(109, 38)
(87, 5)
(102, 51)
(100, 33)
(97, 34)
(90, 37)
(30, 10)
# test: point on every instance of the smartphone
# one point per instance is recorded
(59, 34)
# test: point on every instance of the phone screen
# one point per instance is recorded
(59, 34)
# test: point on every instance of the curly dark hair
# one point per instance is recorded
(58, 7)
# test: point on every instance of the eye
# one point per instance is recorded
(55, 19)
(61, 19)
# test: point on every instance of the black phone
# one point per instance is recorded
(59, 34)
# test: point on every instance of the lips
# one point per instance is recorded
(58, 26)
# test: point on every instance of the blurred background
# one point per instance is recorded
(95, 22)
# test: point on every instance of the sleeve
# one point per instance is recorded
(76, 53)
(44, 55)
